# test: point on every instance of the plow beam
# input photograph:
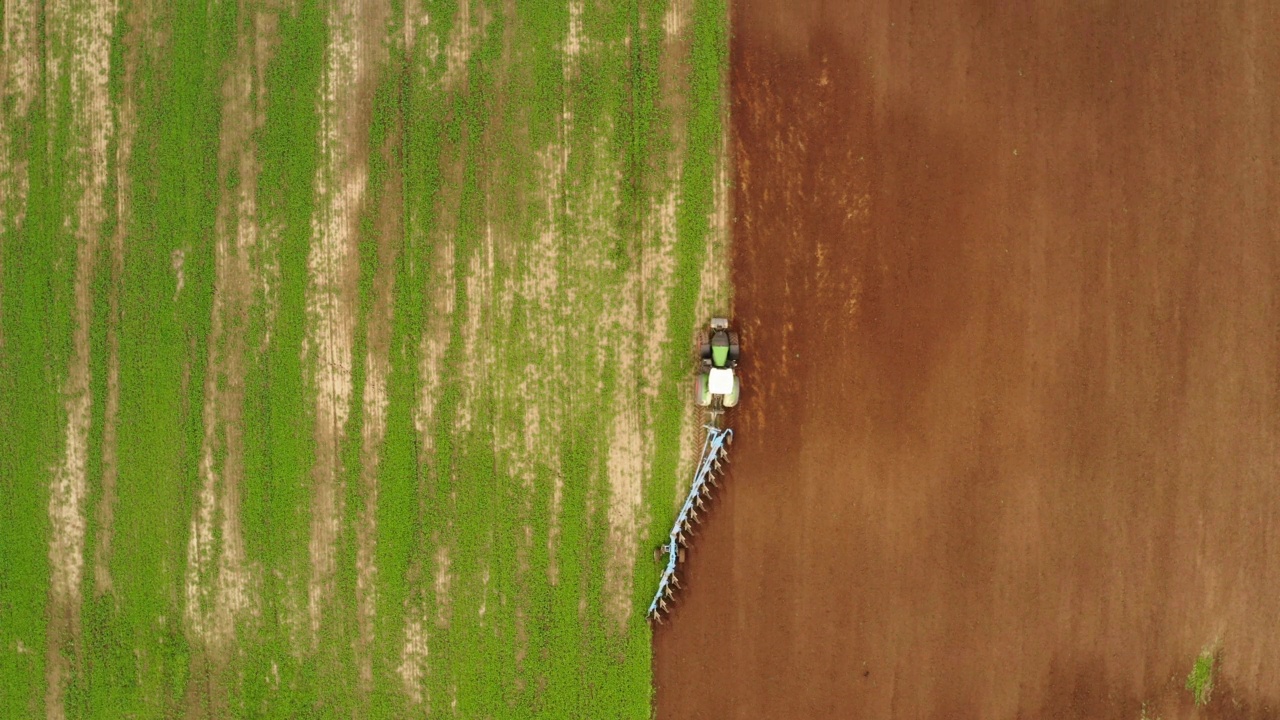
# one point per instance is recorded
(714, 451)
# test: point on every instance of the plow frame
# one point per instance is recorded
(714, 450)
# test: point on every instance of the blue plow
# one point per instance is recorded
(714, 450)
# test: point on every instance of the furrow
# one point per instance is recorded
(332, 269)
(80, 36)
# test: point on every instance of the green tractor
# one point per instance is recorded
(716, 385)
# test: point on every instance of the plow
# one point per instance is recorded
(716, 388)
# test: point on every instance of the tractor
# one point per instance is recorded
(716, 385)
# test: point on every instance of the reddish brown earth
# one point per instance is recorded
(1007, 281)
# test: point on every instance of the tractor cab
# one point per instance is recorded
(720, 346)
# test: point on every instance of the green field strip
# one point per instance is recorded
(469, 154)
(398, 519)
(707, 77)
(105, 645)
(535, 101)
(278, 678)
(452, 504)
(163, 352)
(385, 168)
(408, 95)
(37, 308)
(583, 687)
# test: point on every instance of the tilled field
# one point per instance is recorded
(1007, 280)
(343, 350)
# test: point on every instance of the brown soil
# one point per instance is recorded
(1007, 284)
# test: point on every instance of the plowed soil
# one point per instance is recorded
(1007, 283)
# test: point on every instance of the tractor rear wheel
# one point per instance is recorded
(731, 400)
(701, 390)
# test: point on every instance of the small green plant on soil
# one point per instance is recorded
(1200, 681)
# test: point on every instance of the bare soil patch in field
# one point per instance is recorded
(219, 583)
(80, 38)
(351, 61)
(1007, 283)
(19, 79)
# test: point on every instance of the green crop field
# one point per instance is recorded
(344, 350)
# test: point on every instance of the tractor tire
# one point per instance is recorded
(733, 349)
(704, 348)
(701, 392)
(731, 400)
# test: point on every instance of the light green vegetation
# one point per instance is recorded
(35, 319)
(1200, 680)
(519, 162)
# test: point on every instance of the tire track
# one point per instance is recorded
(434, 607)
(469, 31)
(714, 299)
(19, 77)
(533, 441)
(219, 584)
(546, 282)
(79, 37)
(645, 316)
(388, 230)
(333, 270)
(104, 515)
(434, 343)
(413, 662)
